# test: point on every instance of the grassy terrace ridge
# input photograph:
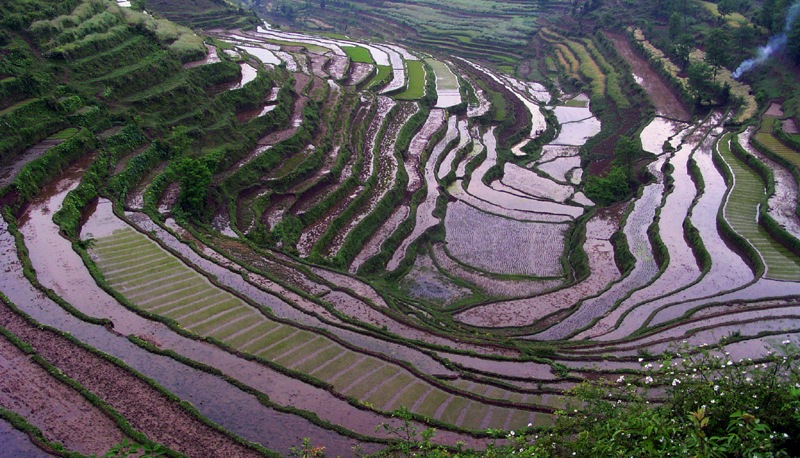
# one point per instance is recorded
(741, 211)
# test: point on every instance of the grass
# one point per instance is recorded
(416, 81)
(734, 19)
(358, 54)
(589, 69)
(310, 47)
(741, 211)
(381, 76)
(64, 134)
(445, 79)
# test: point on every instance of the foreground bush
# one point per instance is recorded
(708, 406)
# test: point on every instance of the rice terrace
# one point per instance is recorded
(540, 228)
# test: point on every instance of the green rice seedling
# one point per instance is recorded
(179, 306)
(358, 54)
(335, 366)
(146, 272)
(202, 328)
(381, 76)
(256, 345)
(347, 377)
(174, 299)
(519, 419)
(153, 274)
(498, 417)
(232, 327)
(278, 348)
(302, 350)
(453, 410)
(376, 379)
(199, 316)
(240, 339)
(159, 288)
(324, 356)
(780, 149)
(380, 398)
(416, 81)
(432, 402)
(473, 417)
(410, 395)
(741, 211)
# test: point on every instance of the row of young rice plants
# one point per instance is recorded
(179, 293)
(747, 197)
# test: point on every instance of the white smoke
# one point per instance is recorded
(775, 43)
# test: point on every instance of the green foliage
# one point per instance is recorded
(195, 177)
(605, 190)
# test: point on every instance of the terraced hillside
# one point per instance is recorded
(220, 242)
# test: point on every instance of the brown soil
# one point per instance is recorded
(56, 409)
(151, 412)
(666, 102)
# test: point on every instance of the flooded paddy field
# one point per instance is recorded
(352, 250)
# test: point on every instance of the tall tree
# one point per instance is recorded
(700, 78)
(717, 44)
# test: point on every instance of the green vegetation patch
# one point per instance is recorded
(358, 54)
(416, 81)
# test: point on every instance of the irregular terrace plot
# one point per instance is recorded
(447, 87)
(478, 189)
(782, 204)
(728, 270)
(682, 269)
(741, 211)
(524, 312)
(645, 268)
(464, 138)
(501, 245)
(489, 284)
(424, 218)
(532, 184)
(385, 168)
(60, 412)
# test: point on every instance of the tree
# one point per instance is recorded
(195, 177)
(700, 78)
(626, 153)
(717, 49)
(675, 25)
(726, 7)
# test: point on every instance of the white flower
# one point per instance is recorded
(511, 434)
(787, 342)
(621, 379)
(729, 363)
(648, 379)
(530, 424)
(641, 359)
(716, 387)
(675, 382)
